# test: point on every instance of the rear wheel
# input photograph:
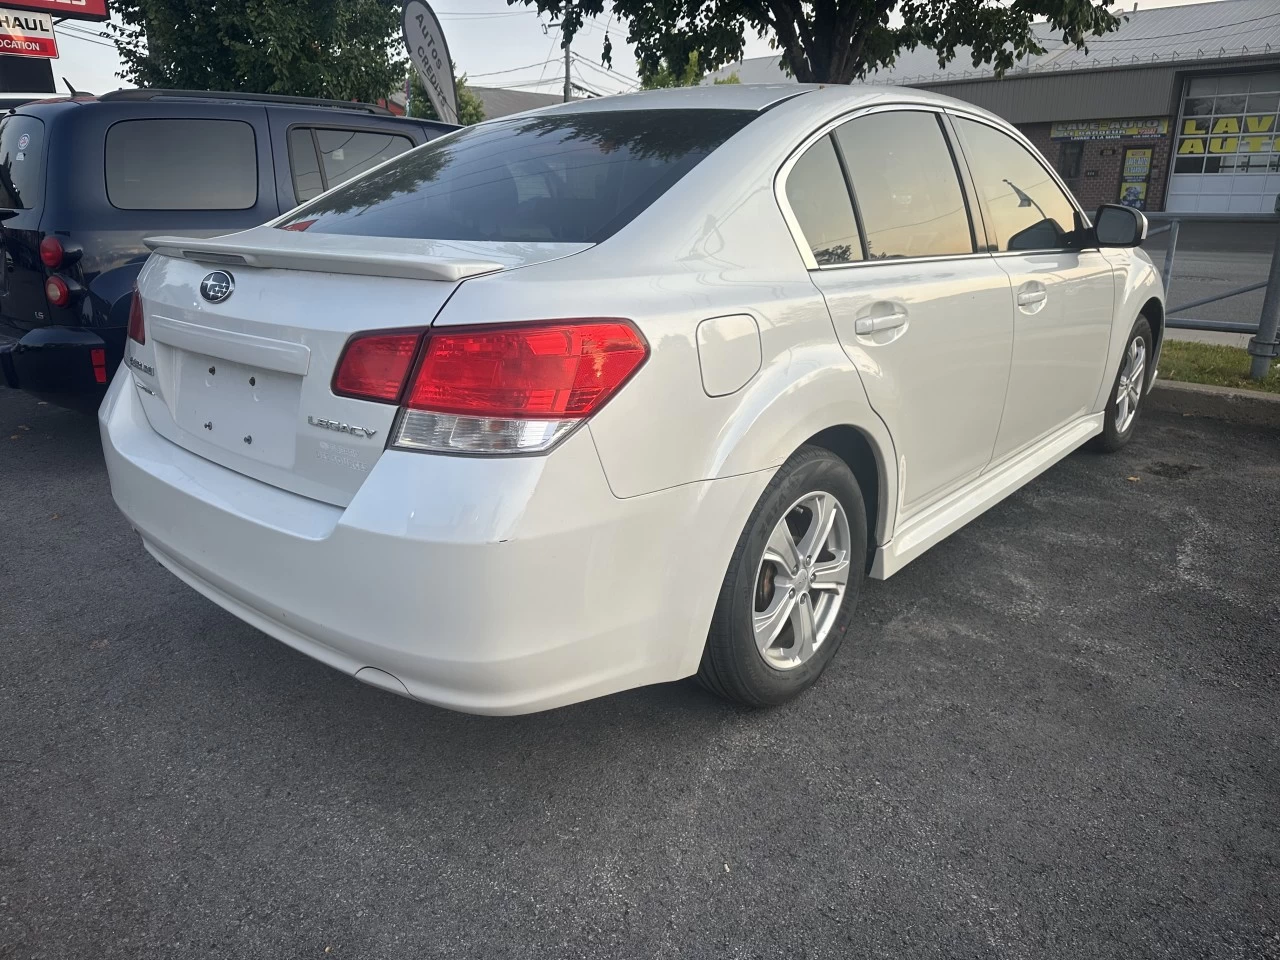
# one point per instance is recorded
(792, 583)
(1128, 390)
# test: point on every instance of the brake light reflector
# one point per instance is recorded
(98, 357)
(51, 252)
(373, 366)
(537, 371)
(56, 289)
(137, 329)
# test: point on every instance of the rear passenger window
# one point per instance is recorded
(345, 153)
(342, 154)
(819, 198)
(905, 182)
(304, 164)
(182, 165)
(1027, 208)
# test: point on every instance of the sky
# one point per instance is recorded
(493, 43)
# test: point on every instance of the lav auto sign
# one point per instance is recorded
(430, 56)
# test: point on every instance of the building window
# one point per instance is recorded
(1229, 124)
(1070, 155)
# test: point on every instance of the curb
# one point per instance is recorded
(1250, 407)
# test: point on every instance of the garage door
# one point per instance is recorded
(1227, 158)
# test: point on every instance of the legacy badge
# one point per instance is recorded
(339, 427)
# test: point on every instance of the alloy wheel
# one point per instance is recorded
(801, 581)
(1132, 379)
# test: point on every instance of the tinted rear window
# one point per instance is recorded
(569, 178)
(21, 161)
(182, 165)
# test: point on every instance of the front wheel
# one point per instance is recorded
(1128, 390)
(792, 583)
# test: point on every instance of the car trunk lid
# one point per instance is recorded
(246, 381)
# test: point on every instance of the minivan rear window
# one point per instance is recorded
(21, 161)
(182, 165)
(568, 178)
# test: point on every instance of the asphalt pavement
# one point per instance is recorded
(1055, 735)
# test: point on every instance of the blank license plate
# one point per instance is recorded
(242, 409)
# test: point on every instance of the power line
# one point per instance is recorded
(1185, 33)
(528, 66)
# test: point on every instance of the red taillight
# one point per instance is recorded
(56, 289)
(137, 329)
(374, 366)
(536, 371)
(98, 357)
(51, 252)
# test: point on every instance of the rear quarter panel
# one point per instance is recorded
(668, 273)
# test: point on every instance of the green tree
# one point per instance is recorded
(344, 49)
(690, 75)
(837, 41)
(470, 107)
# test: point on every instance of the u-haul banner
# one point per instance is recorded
(27, 34)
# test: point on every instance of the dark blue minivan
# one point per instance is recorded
(83, 180)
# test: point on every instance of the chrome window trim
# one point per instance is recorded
(802, 244)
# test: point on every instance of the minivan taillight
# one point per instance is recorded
(58, 292)
(137, 329)
(508, 389)
(51, 252)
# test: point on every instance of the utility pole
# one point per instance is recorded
(568, 92)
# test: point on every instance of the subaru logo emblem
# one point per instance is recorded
(217, 286)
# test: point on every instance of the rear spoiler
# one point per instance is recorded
(325, 253)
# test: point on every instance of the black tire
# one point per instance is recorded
(732, 665)
(1112, 437)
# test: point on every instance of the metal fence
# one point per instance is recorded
(1263, 345)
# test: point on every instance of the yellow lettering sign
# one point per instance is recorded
(1259, 124)
(1223, 144)
(1226, 125)
(1255, 144)
(1195, 126)
(1192, 146)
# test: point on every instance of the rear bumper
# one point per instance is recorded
(59, 361)
(497, 586)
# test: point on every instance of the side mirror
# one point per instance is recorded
(1119, 226)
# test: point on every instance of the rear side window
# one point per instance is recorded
(1026, 207)
(21, 161)
(906, 185)
(819, 198)
(182, 165)
(569, 178)
(321, 159)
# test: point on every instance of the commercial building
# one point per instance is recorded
(1178, 110)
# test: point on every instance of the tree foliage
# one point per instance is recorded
(470, 107)
(344, 49)
(837, 41)
(689, 75)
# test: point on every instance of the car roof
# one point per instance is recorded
(755, 96)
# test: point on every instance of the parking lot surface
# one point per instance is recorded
(1055, 735)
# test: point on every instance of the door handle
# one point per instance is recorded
(1031, 298)
(890, 321)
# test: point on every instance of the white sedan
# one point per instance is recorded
(625, 390)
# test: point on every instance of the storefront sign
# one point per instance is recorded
(65, 9)
(1134, 177)
(1110, 129)
(27, 34)
(429, 54)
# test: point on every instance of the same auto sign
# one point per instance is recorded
(27, 34)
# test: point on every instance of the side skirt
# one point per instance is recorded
(947, 516)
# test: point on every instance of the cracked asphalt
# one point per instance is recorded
(1055, 735)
